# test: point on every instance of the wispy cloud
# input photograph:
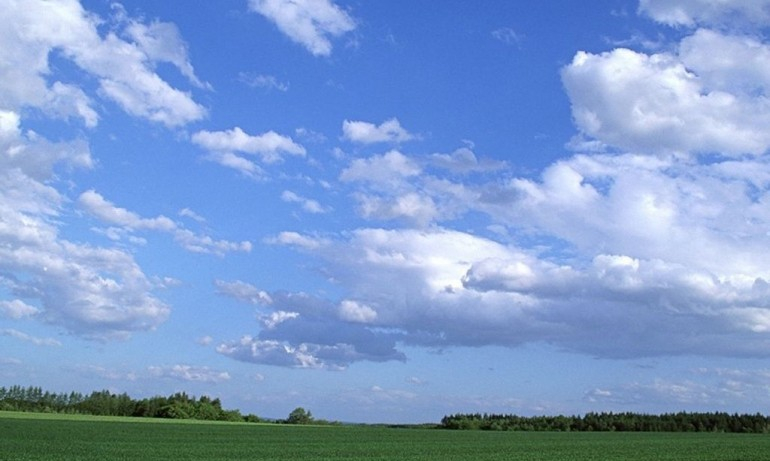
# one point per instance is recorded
(310, 23)
(508, 36)
(267, 82)
(29, 338)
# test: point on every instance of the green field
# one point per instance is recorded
(25, 436)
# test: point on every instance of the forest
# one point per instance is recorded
(105, 403)
(621, 422)
(182, 406)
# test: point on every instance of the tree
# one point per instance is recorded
(299, 416)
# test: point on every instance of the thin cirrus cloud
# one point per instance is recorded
(189, 373)
(267, 82)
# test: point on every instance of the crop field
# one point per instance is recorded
(57, 437)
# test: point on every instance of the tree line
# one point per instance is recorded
(105, 403)
(626, 422)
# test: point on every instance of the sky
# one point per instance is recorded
(389, 211)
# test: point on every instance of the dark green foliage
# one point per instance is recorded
(105, 403)
(620, 422)
(299, 416)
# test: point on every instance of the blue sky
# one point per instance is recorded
(388, 211)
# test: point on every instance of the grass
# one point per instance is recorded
(25, 436)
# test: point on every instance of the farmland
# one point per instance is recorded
(25, 436)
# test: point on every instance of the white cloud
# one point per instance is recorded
(95, 204)
(311, 23)
(658, 104)
(244, 166)
(271, 352)
(732, 63)
(64, 101)
(17, 309)
(285, 353)
(708, 12)
(242, 291)
(198, 243)
(422, 283)
(415, 208)
(464, 161)
(369, 133)
(268, 82)
(31, 339)
(188, 213)
(276, 318)
(91, 291)
(388, 169)
(353, 311)
(161, 42)
(270, 146)
(297, 239)
(124, 69)
(308, 205)
(190, 373)
(34, 156)
(307, 332)
(394, 186)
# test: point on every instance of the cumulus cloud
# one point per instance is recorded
(225, 148)
(422, 284)
(124, 69)
(91, 291)
(242, 291)
(311, 23)
(464, 161)
(660, 104)
(388, 169)
(302, 331)
(393, 186)
(654, 245)
(368, 133)
(35, 157)
(353, 311)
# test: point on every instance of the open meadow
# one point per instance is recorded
(28, 437)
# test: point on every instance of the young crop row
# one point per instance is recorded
(31, 439)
